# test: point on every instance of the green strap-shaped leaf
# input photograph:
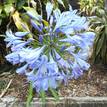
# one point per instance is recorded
(99, 44)
(32, 12)
(30, 95)
(54, 93)
(43, 97)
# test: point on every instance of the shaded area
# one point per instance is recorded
(74, 4)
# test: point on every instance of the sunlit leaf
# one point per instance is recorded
(7, 8)
(45, 23)
(20, 24)
(32, 13)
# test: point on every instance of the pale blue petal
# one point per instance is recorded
(49, 8)
(36, 26)
(21, 34)
(61, 61)
(65, 19)
(41, 39)
(13, 58)
(76, 71)
(57, 13)
(22, 69)
(67, 30)
(83, 64)
(35, 54)
(51, 20)
(88, 37)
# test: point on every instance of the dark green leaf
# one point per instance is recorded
(20, 3)
(99, 44)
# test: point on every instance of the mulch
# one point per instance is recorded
(92, 83)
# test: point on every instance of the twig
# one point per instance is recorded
(89, 74)
(4, 74)
(5, 90)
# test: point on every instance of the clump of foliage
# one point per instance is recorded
(99, 23)
(8, 6)
(90, 7)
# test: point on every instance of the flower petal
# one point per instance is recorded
(21, 34)
(22, 69)
(49, 8)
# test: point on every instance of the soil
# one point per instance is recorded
(92, 83)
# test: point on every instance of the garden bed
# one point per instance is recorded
(93, 83)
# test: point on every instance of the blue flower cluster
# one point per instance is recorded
(56, 52)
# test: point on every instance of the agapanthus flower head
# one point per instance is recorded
(58, 51)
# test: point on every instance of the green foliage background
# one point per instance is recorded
(99, 24)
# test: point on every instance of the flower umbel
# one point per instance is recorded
(56, 52)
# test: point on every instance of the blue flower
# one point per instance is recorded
(34, 55)
(34, 24)
(13, 58)
(88, 37)
(61, 61)
(10, 38)
(75, 40)
(16, 46)
(49, 8)
(83, 64)
(57, 14)
(23, 53)
(22, 69)
(45, 76)
(76, 71)
(41, 39)
(15, 40)
(21, 34)
(84, 54)
(71, 20)
(57, 51)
